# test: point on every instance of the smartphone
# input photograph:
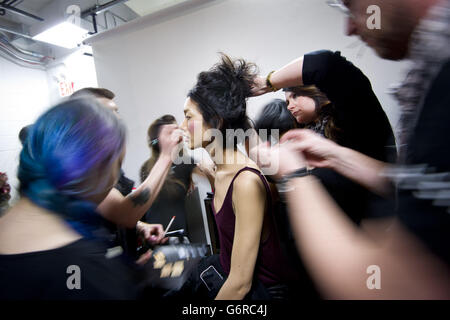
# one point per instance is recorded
(212, 279)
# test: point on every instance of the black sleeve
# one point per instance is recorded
(349, 196)
(342, 82)
(183, 172)
(363, 122)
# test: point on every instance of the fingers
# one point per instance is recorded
(153, 233)
(159, 231)
(144, 258)
(297, 134)
(177, 135)
(262, 154)
(156, 233)
(259, 85)
(169, 138)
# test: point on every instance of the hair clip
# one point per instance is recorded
(154, 142)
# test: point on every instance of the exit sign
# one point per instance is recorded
(65, 88)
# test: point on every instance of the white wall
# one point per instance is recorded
(75, 68)
(26, 93)
(152, 65)
(24, 96)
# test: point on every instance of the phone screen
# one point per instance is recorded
(212, 279)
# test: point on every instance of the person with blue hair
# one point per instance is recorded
(125, 208)
(51, 241)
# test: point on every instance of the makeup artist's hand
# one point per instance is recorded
(152, 233)
(169, 137)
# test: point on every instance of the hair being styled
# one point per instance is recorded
(67, 159)
(324, 108)
(221, 94)
(275, 115)
(152, 134)
(93, 92)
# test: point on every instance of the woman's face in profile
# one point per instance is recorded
(193, 125)
(302, 108)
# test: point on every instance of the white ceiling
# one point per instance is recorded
(145, 7)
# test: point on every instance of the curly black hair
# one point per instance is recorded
(221, 94)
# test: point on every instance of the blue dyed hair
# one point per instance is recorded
(67, 158)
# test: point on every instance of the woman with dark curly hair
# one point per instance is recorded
(251, 260)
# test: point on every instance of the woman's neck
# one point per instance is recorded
(229, 159)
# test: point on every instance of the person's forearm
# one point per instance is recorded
(329, 243)
(288, 76)
(362, 169)
(337, 254)
(127, 211)
(142, 198)
(232, 291)
(157, 176)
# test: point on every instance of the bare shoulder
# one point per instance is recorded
(248, 182)
(249, 195)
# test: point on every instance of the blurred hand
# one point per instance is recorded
(152, 233)
(169, 137)
(259, 86)
(319, 152)
(143, 259)
(208, 167)
(277, 160)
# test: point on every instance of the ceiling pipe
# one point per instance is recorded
(13, 2)
(97, 9)
(5, 40)
(6, 56)
(10, 8)
(17, 33)
(13, 57)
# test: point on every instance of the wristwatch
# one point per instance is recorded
(282, 183)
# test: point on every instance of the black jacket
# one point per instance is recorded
(363, 126)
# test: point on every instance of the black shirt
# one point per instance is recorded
(171, 199)
(125, 237)
(363, 122)
(43, 275)
(363, 125)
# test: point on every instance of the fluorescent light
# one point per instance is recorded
(65, 35)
